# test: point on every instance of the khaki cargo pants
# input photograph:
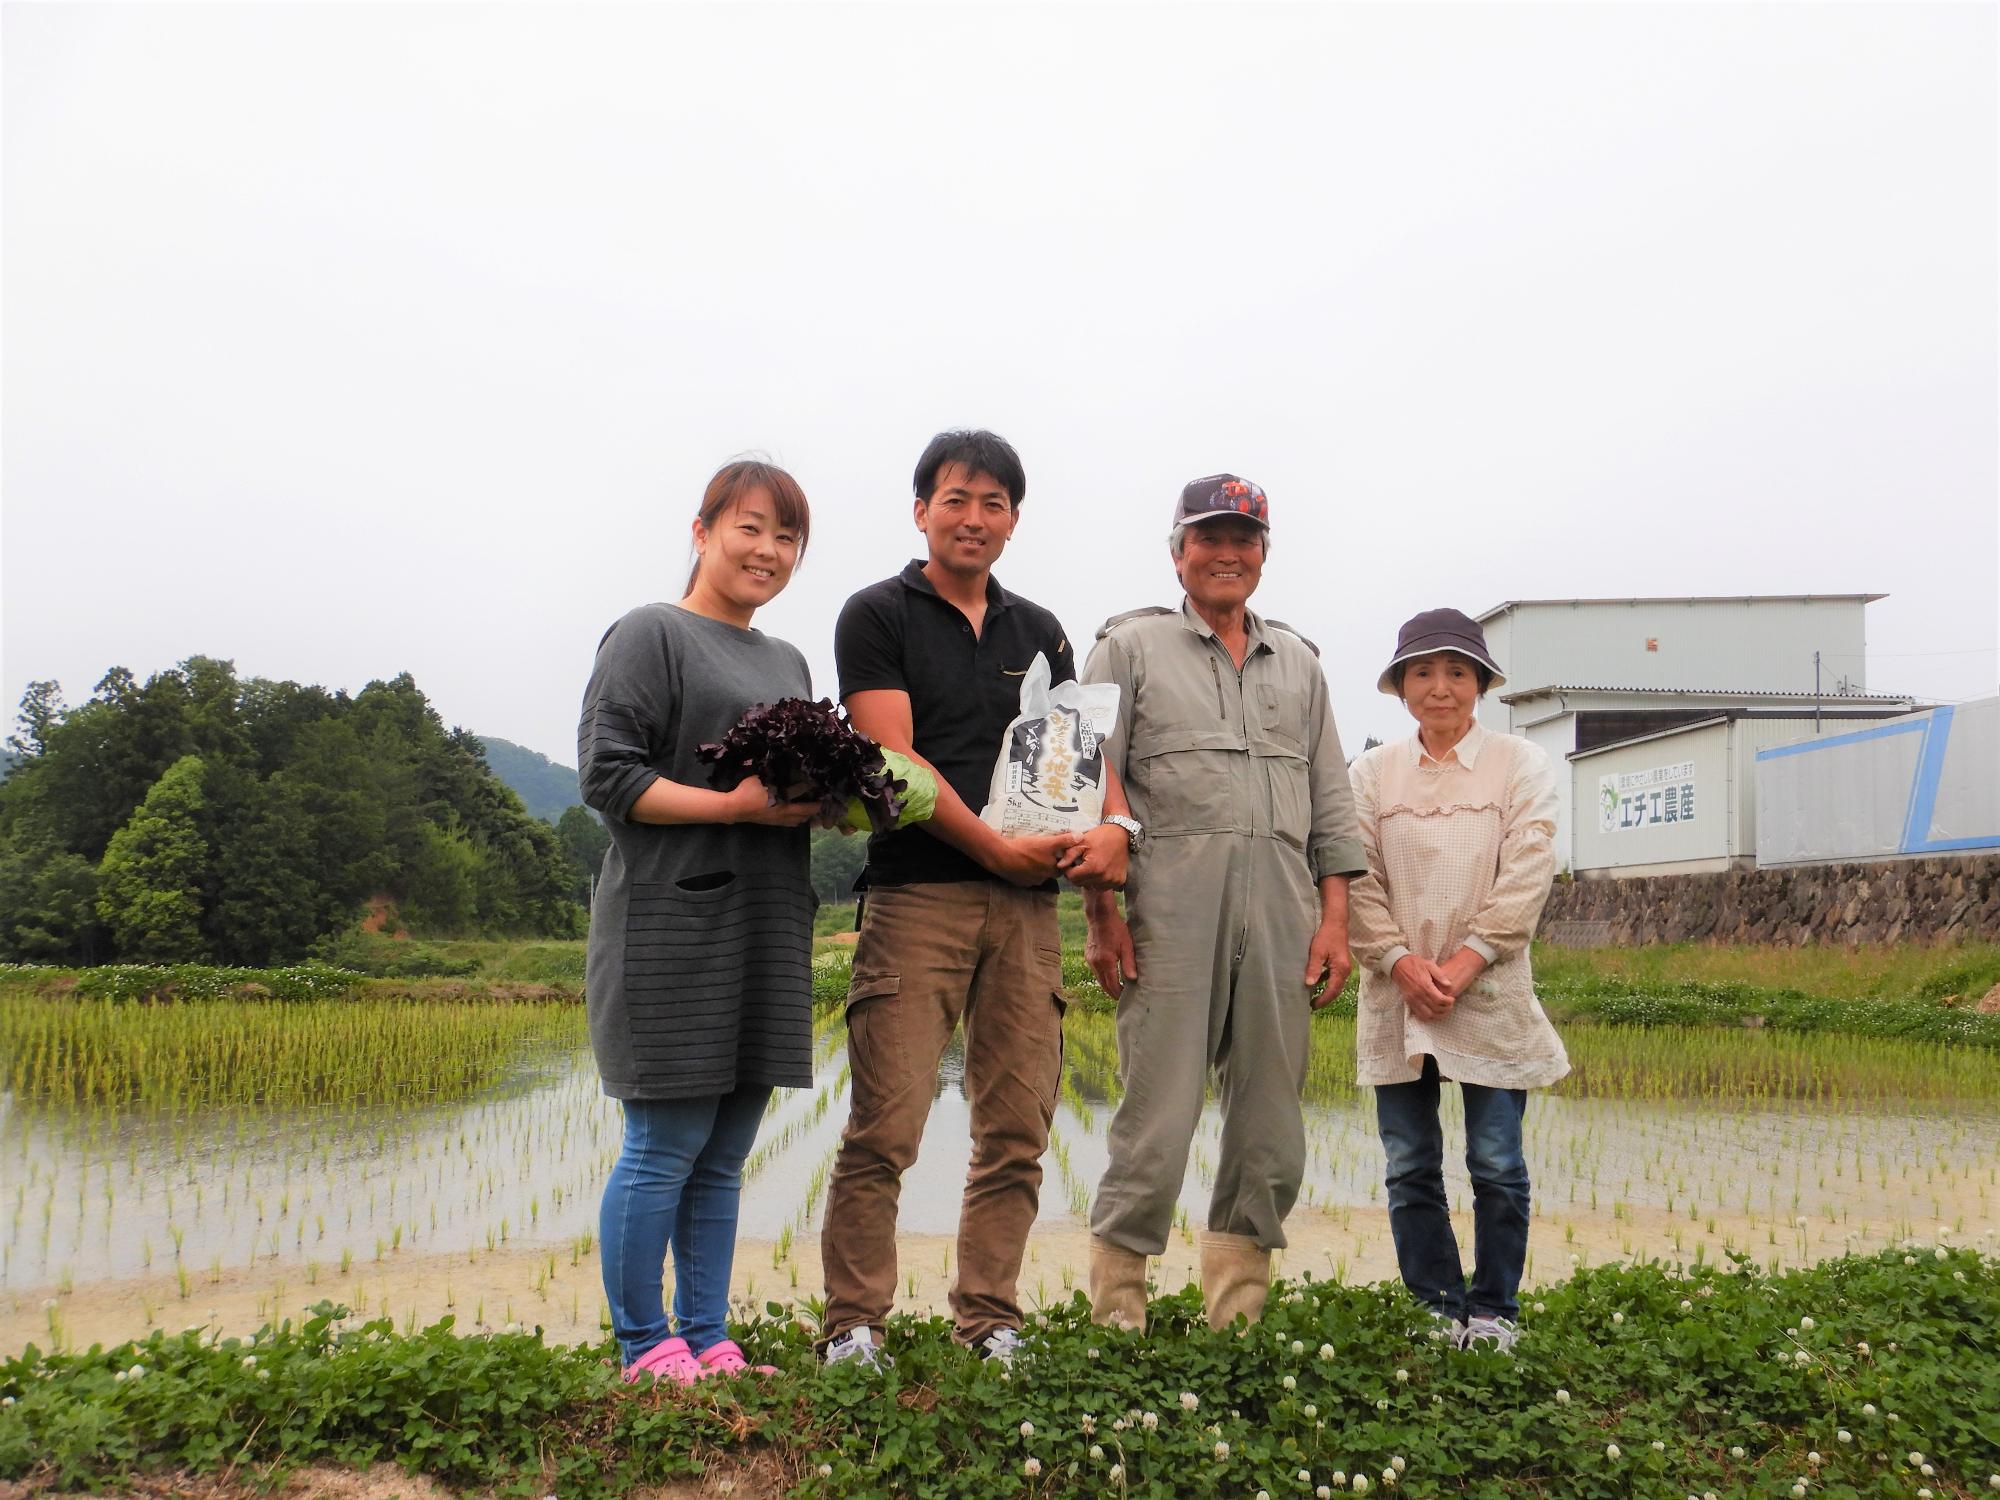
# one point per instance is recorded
(930, 956)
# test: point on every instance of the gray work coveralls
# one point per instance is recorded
(1240, 783)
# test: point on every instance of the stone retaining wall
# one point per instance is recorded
(1916, 900)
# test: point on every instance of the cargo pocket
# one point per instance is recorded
(877, 1050)
(1291, 799)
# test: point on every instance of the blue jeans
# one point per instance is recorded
(1419, 1219)
(677, 1181)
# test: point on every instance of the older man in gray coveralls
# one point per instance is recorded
(1237, 905)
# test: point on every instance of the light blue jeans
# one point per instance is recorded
(677, 1181)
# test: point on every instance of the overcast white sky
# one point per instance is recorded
(343, 341)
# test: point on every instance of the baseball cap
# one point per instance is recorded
(1222, 495)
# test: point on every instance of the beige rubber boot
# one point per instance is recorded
(1117, 1286)
(1235, 1278)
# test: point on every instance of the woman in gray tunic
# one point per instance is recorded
(699, 968)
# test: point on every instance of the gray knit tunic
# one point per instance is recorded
(699, 974)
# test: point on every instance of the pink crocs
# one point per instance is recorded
(669, 1360)
(726, 1358)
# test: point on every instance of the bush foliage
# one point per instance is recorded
(1873, 1375)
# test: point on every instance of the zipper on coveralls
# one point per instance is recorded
(1215, 674)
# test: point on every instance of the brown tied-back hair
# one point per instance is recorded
(741, 477)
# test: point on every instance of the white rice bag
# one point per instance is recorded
(1050, 774)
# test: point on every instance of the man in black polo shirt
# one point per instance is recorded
(958, 922)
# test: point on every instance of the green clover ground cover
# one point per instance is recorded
(1869, 1376)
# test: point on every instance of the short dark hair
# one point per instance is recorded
(981, 452)
(1480, 671)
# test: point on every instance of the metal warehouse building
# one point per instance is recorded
(1652, 711)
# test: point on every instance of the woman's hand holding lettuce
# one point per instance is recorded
(806, 751)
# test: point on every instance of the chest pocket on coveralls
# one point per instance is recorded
(1281, 750)
(1183, 776)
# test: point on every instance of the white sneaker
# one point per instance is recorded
(1001, 1344)
(857, 1344)
(1500, 1333)
(1445, 1330)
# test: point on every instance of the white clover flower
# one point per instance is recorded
(1892, 1417)
(1324, 1492)
(1305, 1476)
(263, 1374)
(1562, 1398)
(1389, 1477)
(1926, 1470)
(1909, 1260)
(1941, 1253)
(6, 1401)
(1868, 1408)
(1658, 1446)
(1611, 1452)
(1089, 1425)
(1340, 1479)
(1263, 1495)
(1737, 1452)
(1326, 1351)
(1091, 1352)
(1814, 1459)
(1311, 1411)
(1618, 1317)
(1862, 1347)
(1189, 1401)
(1402, 1377)
(1958, 1275)
(1843, 1436)
(1150, 1420)
(1923, 1495)
(1119, 1424)
(1541, 1307)
(1383, 1404)
(119, 1377)
(1115, 1473)
(1397, 1463)
(249, 1361)
(1799, 1490)
(1807, 1324)
(1096, 1453)
(1221, 1451)
(1027, 1429)
(1686, 1306)
(1360, 1484)
(1289, 1383)
(1298, 1346)
(1031, 1467)
(1915, 1458)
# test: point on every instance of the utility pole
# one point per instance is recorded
(1815, 692)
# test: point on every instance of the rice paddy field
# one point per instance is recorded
(417, 1149)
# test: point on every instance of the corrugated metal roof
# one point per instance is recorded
(1640, 739)
(1508, 604)
(1803, 696)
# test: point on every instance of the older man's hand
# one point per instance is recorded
(1107, 948)
(1099, 859)
(1328, 959)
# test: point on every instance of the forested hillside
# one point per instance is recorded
(544, 787)
(203, 816)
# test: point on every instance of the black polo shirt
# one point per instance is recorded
(964, 692)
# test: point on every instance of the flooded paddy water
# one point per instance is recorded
(115, 1217)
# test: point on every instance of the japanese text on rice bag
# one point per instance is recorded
(1050, 774)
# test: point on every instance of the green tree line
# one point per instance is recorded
(203, 816)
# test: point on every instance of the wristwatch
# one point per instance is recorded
(1135, 835)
